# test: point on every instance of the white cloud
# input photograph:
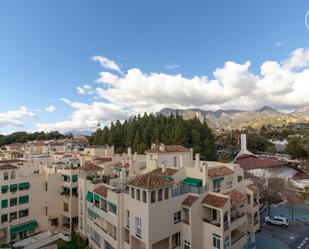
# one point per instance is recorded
(50, 108)
(86, 116)
(14, 118)
(85, 89)
(107, 63)
(282, 85)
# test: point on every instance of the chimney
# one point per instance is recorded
(205, 173)
(129, 152)
(243, 142)
(191, 153)
(161, 147)
(163, 166)
(197, 160)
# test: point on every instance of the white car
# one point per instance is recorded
(276, 220)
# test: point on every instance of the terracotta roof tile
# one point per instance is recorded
(103, 159)
(300, 176)
(150, 181)
(190, 200)
(220, 171)
(168, 171)
(215, 200)
(168, 149)
(248, 162)
(7, 166)
(235, 196)
(101, 190)
(253, 188)
(90, 167)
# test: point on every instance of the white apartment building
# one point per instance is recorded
(174, 202)
(36, 198)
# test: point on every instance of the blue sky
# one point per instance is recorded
(46, 49)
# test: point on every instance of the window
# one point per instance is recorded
(138, 194)
(13, 202)
(24, 186)
(216, 241)
(46, 186)
(127, 218)
(103, 205)
(186, 244)
(95, 237)
(4, 218)
(160, 194)
(166, 193)
(5, 175)
(23, 199)
(46, 210)
(4, 189)
(138, 227)
(13, 216)
(23, 213)
(4, 203)
(175, 162)
(112, 208)
(216, 186)
(248, 199)
(13, 174)
(176, 240)
(177, 217)
(227, 242)
(65, 207)
(229, 184)
(13, 187)
(144, 196)
(132, 193)
(153, 196)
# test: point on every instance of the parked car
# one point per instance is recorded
(276, 220)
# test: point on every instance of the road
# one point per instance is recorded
(295, 236)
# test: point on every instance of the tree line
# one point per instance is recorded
(22, 137)
(140, 132)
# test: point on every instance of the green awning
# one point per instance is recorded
(23, 199)
(167, 177)
(192, 181)
(218, 179)
(93, 214)
(74, 178)
(24, 185)
(4, 203)
(13, 187)
(23, 227)
(96, 197)
(89, 196)
(4, 188)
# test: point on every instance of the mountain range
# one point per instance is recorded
(237, 119)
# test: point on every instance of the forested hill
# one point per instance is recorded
(140, 132)
(22, 137)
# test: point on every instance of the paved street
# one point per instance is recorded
(296, 236)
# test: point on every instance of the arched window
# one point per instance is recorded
(153, 197)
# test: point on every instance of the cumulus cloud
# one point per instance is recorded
(85, 89)
(282, 85)
(14, 118)
(106, 63)
(50, 108)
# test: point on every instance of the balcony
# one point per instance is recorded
(213, 222)
(237, 237)
(237, 216)
(226, 225)
(184, 189)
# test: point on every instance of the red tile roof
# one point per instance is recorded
(7, 166)
(150, 181)
(215, 200)
(90, 167)
(300, 176)
(102, 190)
(168, 149)
(103, 159)
(248, 162)
(235, 196)
(190, 200)
(253, 188)
(168, 171)
(219, 171)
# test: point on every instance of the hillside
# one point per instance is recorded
(237, 119)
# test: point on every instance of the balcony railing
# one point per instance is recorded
(184, 189)
(213, 222)
(237, 216)
(237, 238)
(226, 225)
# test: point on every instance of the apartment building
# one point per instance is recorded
(175, 202)
(36, 198)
